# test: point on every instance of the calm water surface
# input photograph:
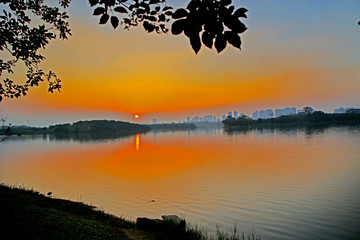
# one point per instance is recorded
(293, 184)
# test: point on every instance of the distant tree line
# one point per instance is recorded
(93, 127)
(315, 118)
(173, 126)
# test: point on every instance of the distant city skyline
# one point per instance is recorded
(264, 114)
(45, 120)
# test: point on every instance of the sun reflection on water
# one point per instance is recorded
(137, 141)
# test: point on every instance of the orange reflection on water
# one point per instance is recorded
(225, 158)
(151, 160)
(137, 141)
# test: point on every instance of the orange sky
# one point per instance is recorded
(127, 72)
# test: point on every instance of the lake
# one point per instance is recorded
(279, 183)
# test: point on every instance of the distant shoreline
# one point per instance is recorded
(103, 129)
(95, 127)
(315, 119)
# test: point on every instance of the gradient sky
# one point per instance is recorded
(294, 53)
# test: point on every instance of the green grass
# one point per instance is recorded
(27, 214)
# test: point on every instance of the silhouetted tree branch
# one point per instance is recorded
(211, 22)
(208, 22)
(21, 40)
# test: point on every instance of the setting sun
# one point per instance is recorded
(136, 116)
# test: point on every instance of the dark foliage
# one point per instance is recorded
(152, 14)
(26, 214)
(209, 22)
(173, 126)
(22, 40)
(308, 110)
(315, 118)
(95, 130)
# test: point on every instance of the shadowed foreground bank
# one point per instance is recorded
(26, 214)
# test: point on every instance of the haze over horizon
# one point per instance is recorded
(293, 54)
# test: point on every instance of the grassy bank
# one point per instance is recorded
(27, 214)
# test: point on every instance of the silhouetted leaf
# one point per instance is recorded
(240, 13)
(150, 18)
(99, 11)
(231, 9)
(195, 42)
(208, 39)
(188, 30)
(163, 28)
(180, 13)
(114, 21)
(220, 42)
(359, 23)
(168, 13)
(233, 39)
(93, 2)
(178, 26)
(162, 18)
(145, 6)
(104, 18)
(110, 3)
(120, 10)
(167, 8)
(193, 5)
(226, 2)
(235, 25)
(140, 11)
(148, 26)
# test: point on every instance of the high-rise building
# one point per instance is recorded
(279, 112)
(235, 114)
(269, 113)
(223, 117)
(340, 110)
(154, 121)
(229, 114)
(214, 119)
(300, 111)
(262, 114)
(286, 111)
(255, 115)
(188, 119)
(292, 111)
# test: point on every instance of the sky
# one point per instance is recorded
(294, 54)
